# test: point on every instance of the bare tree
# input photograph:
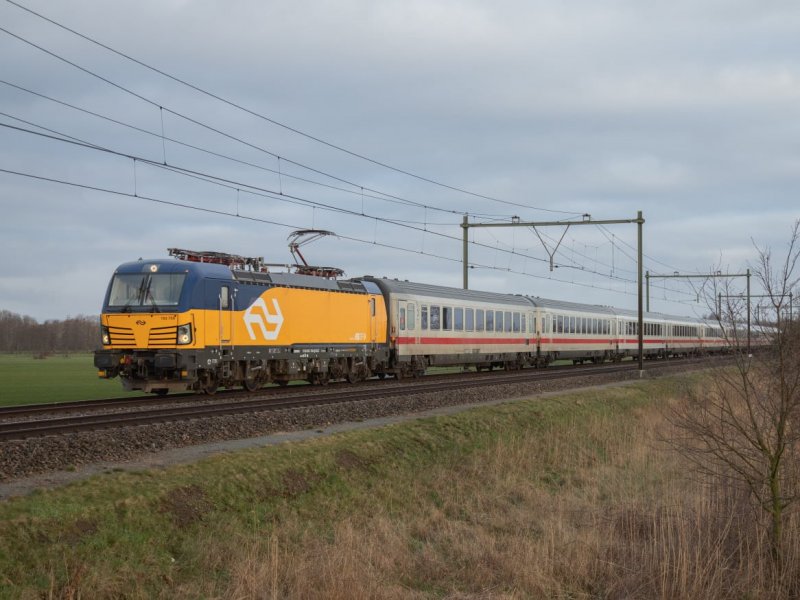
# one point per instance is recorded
(24, 334)
(744, 426)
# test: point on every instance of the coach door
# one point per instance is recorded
(400, 325)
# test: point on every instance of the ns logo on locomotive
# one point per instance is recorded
(209, 320)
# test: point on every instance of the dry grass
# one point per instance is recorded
(592, 508)
(572, 497)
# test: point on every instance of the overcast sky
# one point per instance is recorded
(547, 110)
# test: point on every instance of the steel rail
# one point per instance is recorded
(15, 430)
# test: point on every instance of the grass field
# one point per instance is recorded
(64, 378)
(568, 497)
(57, 378)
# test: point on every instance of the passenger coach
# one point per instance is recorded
(434, 325)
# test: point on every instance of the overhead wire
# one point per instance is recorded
(233, 185)
(219, 131)
(279, 195)
(384, 197)
(278, 123)
(284, 197)
(219, 212)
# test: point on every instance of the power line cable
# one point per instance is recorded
(279, 124)
(383, 197)
(277, 223)
(234, 185)
(283, 197)
(216, 130)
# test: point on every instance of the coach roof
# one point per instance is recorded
(394, 286)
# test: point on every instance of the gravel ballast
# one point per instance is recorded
(22, 458)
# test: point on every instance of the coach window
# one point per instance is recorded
(459, 319)
(470, 314)
(411, 316)
(447, 318)
(572, 325)
(516, 322)
(548, 324)
(402, 319)
(507, 321)
(435, 311)
(559, 324)
(522, 324)
(479, 319)
(423, 317)
(498, 320)
(489, 320)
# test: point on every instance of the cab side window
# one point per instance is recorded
(225, 297)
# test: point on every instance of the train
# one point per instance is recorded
(204, 321)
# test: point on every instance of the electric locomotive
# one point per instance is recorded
(221, 320)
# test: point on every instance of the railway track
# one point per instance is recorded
(59, 419)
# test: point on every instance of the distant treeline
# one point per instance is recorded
(20, 333)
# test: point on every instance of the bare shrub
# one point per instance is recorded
(743, 427)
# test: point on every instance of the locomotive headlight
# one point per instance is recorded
(185, 334)
(105, 336)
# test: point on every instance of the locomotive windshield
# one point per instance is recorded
(146, 289)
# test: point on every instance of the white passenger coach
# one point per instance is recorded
(433, 325)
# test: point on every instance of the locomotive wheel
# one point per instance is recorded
(381, 375)
(161, 391)
(251, 383)
(210, 388)
(282, 382)
(352, 377)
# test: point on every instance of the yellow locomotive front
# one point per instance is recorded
(148, 327)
